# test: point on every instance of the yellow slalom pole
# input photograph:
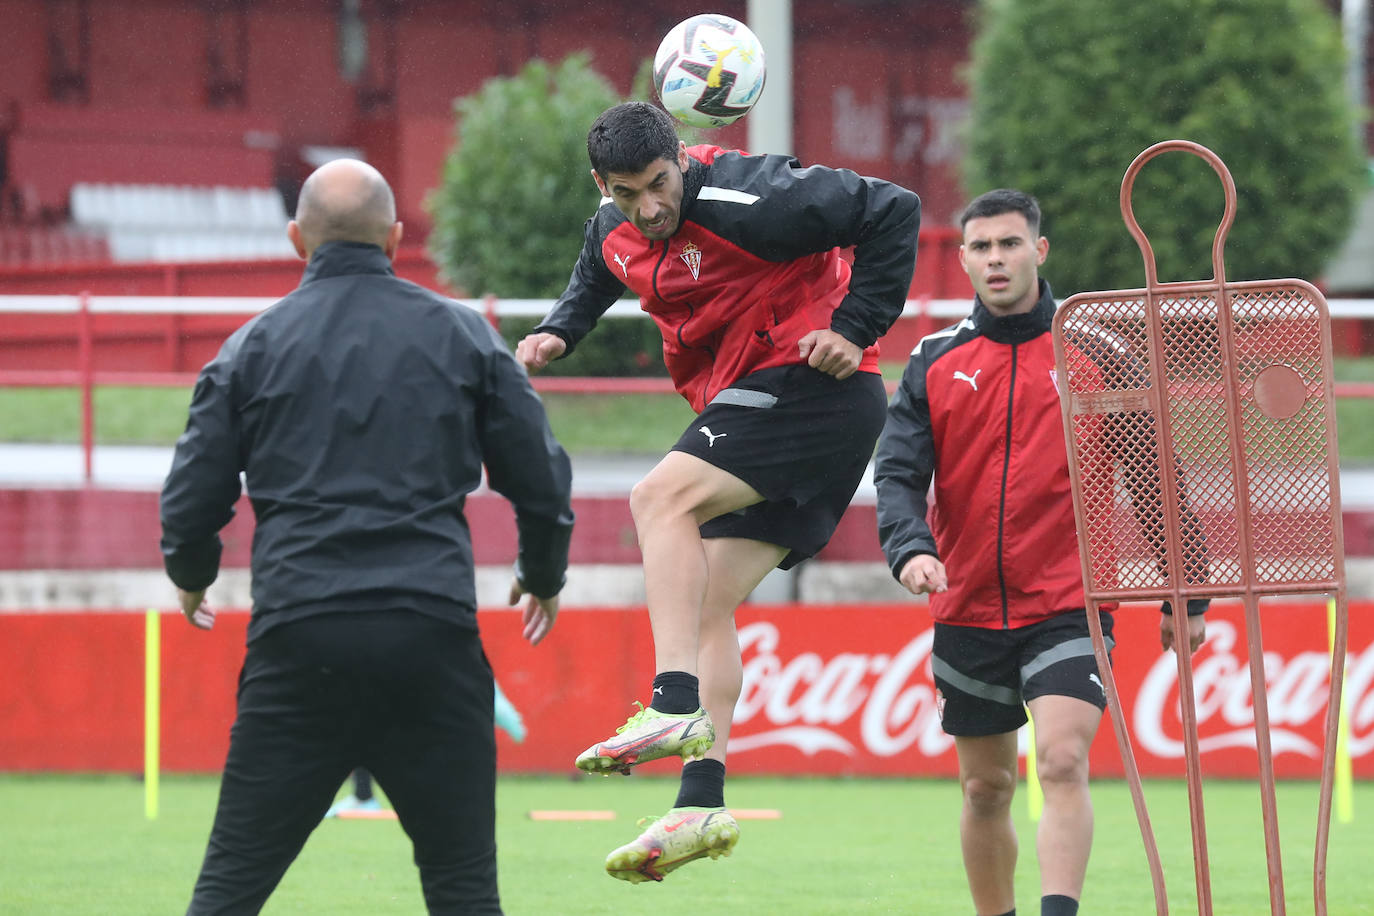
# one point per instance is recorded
(1035, 796)
(152, 711)
(1344, 788)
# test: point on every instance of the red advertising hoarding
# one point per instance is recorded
(835, 689)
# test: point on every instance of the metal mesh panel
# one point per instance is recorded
(1284, 421)
(1208, 449)
(1196, 408)
(1200, 427)
(1097, 333)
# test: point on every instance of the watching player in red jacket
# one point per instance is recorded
(978, 410)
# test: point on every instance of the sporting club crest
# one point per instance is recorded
(691, 256)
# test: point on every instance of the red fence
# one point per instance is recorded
(70, 529)
(164, 341)
(843, 689)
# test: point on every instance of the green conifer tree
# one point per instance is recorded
(1066, 93)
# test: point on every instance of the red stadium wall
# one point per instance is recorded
(69, 529)
(55, 146)
(828, 690)
(877, 87)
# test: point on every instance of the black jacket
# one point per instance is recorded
(360, 410)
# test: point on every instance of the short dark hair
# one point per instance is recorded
(1003, 200)
(625, 139)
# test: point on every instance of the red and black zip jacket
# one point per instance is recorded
(754, 266)
(978, 410)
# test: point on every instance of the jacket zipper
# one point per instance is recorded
(1002, 500)
(691, 307)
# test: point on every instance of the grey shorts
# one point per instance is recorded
(986, 676)
(802, 439)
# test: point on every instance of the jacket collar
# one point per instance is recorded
(1013, 329)
(336, 259)
(692, 180)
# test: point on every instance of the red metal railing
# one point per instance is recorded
(926, 312)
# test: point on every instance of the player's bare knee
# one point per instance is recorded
(989, 794)
(662, 498)
(651, 500)
(1060, 765)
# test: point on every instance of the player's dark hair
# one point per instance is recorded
(1003, 200)
(627, 138)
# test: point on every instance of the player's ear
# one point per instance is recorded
(393, 240)
(293, 232)
(683, 160)
(600, 185)
(1042, 250)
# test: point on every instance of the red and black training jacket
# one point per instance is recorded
(978, 410)
(754, 266)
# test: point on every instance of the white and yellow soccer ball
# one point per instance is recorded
(709, 70)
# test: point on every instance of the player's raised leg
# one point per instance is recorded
(669, 505)
(698, 824)
(987, 836)
(737, 567)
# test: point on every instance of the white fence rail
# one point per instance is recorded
(626, 308)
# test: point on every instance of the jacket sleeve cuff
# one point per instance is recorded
(545, 587)
(541, 563)
(852, 331)
(906, 558)
(193, 568)
(1196, 607)
(561, 335)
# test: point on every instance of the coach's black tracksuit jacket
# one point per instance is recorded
(753, 267)
(360, 409)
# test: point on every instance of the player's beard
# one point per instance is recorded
(663, 230)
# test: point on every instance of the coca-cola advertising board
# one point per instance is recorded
(834, 689)
(848, 690)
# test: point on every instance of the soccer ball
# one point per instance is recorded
(709, 71)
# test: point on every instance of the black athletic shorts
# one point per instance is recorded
(984, 677)
(802, 439)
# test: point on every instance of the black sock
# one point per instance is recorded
(1058, 905)
(675, 692)
(703, 785)
(1010, 912)
(362, 785)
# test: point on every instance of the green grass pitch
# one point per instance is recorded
(81, 844)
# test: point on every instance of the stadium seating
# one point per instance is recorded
(178, 223)
(43, 246)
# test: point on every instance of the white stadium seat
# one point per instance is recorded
(180, 223)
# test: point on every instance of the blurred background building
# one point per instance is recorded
(182, 129)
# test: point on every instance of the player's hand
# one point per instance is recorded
(197, 612)
(535, 351)
(538, 615)
(924, 574)
(831, 353)
(1197, 632)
